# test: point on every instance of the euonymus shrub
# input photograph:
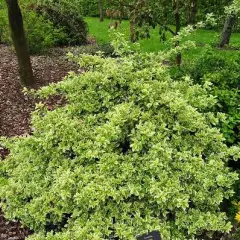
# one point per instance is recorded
(131, 151)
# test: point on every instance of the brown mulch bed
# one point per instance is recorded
(11, 230)
(15, 108)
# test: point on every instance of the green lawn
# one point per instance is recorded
(202, 37)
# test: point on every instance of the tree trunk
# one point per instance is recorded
(100, 6)
(132, 31)
(188, 12)
(132, 27)
(193, 12)
(227, 31)
(20, 43)
(178, 28)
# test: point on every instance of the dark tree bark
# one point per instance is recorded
(20, 43)
(178, 28)
(227, 31)
(193, 12)
(135, 12)
(132, 25)
(132, 30)
(100, 6)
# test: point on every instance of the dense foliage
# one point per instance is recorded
(46, 25)
(223, 73)
(133, 146)
(65, 15)
(90, 8)
(40, 32)
(130, 151)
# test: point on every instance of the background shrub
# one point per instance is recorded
(132, 150)
(90, 8)
(94, 49)
(47, 25)
(41, 33)
(62, 15)
(2, 19)
(224, 74)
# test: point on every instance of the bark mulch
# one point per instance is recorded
(15, 108)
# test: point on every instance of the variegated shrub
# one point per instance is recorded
(130, 151)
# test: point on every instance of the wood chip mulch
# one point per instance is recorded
(15, 108)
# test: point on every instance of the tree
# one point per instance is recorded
(165, 13)
(176, 10)
(100, 6)
(131, 7)
(20, 43)
(227, 31)
(232, 12)
(133, 21)
(137, 12)
(192, 9)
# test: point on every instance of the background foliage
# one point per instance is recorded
(47, 25)
(225, 77)
(66, 15)
(223, 73)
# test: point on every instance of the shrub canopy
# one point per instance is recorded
(131, 151)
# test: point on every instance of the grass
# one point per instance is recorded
(202, 37)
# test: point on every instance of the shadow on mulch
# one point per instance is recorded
(10, 230)
(15, 108)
